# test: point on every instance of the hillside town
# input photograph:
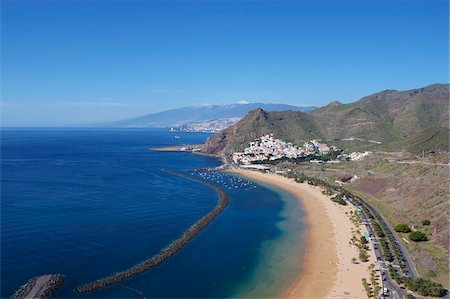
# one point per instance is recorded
(268, 148)
(210, 126)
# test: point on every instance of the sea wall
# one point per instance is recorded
(172, 249)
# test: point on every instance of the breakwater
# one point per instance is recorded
(170, 250)
(43, 286)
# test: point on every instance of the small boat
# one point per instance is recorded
(177, 137)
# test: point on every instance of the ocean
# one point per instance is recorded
(88, 202)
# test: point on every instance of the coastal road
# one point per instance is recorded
(394, 290)
(409, 265)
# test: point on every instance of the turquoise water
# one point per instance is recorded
(87, 203)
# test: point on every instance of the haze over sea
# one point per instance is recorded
(87, 203)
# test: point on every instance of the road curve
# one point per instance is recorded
(170, 250)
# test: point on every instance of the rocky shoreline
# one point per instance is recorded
(43, 286)
(172, 249)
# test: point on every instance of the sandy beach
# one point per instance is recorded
(327, 270)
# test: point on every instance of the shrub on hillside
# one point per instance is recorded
(426, 222)
(418, 236)
(402, 228)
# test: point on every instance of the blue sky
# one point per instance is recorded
(75, 62)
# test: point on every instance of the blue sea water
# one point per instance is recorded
(87, 203)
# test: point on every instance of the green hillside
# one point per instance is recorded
(386, 120)
(288, 125)
(431, 139)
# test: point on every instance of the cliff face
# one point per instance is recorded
(390, 117)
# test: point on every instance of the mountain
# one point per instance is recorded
(386, 116)
(288, 125)
(388, 119)
(201, 113)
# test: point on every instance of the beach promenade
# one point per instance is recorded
(327, 270)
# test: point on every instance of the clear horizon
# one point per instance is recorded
(80, 62)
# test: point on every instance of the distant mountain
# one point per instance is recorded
(388, 119)
(201, 113)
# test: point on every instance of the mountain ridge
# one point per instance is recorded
(390, 117)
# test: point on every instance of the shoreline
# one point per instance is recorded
(326, 270)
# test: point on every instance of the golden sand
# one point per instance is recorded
(327, 270)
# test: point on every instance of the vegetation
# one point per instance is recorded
(326, 157)
(363, 240)
(378, 231)
(418, 236)
(424, 287)
(362, 255)
(366, 287)
(426, 222)
(402, 228)
(328, 189)
(373, 289)
(373, 280)
(339, 199)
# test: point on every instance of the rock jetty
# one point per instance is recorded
(172, 249)
(43, 286)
